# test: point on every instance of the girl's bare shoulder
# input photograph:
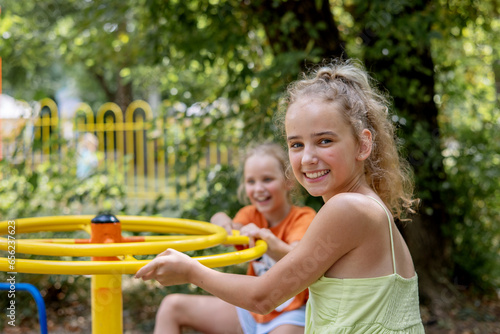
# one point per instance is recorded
(348, 201)
(349, 208)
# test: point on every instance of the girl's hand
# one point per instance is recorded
(223, 220)
(276, 248)
(169, 268)
(251, 231)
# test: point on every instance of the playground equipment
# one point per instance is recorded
(112, 253)
(40, 304)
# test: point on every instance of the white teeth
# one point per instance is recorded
(317, 174)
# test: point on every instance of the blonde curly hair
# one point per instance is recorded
(346, 84)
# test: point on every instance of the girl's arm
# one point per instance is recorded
(326, 241)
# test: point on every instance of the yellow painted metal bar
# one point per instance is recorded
(150, 154)
(110, 140)
(211, 235)
(88, 114)
(129, 142)
(107, 304)
(52, 106)
(48, 122)
(149, 178)
(129, 223)
(45, 138)
(106, 290)
(53, 240)
(100, 124)
(87, 229)
(140, 104)
(33, 228)
(123, 248)
(139, 152)
(126, 126)
(162, 180)
(233, 240)
(120, 146)
(125, 267)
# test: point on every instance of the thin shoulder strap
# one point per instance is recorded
(390, 230)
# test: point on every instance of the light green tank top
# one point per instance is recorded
(387, 304)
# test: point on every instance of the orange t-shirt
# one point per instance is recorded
(291, 229)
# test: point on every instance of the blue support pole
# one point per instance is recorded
(42, 314)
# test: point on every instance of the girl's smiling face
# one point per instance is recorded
(266, 186)
(324, 153)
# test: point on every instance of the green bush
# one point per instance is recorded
(52, 188)
(474, 178)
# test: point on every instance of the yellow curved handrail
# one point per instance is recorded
(124, 267)
(201, 235)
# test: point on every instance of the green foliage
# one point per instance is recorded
(472, 166)
(220, 195)
(470, 126)
(52, 188)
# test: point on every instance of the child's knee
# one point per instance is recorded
(172, 305)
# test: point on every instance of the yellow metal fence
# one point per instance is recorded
(134, 142)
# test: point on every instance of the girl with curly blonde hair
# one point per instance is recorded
(356, 264)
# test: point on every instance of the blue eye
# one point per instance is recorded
(295, 145)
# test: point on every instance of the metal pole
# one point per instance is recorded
(107, 304)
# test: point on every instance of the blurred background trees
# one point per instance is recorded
(231, 59)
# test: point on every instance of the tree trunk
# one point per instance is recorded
(123, 95)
